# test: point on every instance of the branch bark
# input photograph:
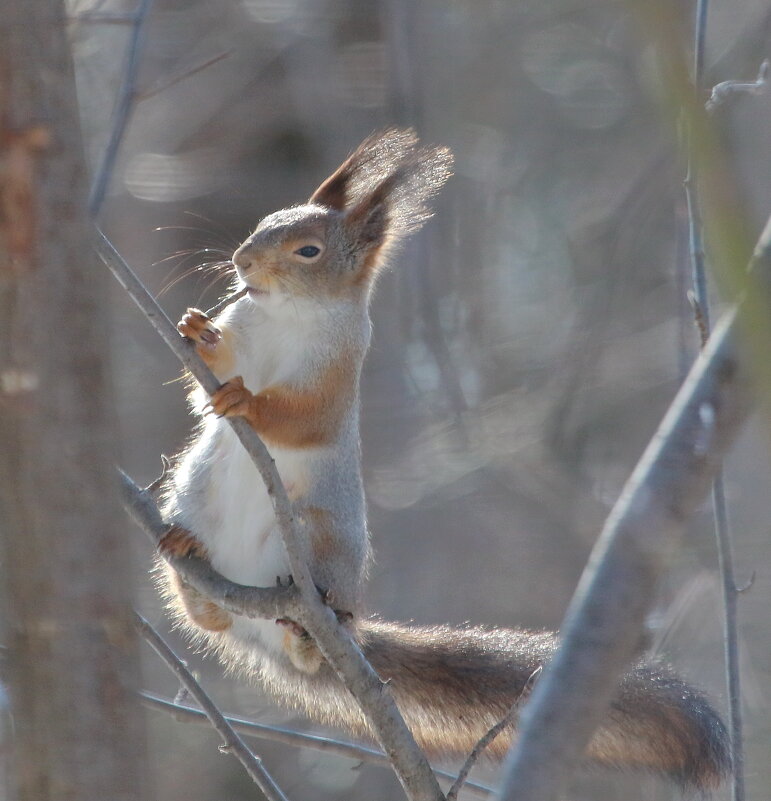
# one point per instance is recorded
(72, 649)
(604, 623)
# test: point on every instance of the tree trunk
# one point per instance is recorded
(67, 590)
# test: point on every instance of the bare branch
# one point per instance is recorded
(722, 91)
(342, 653)
(161, 86)
(603, 626)
(223, 304)
(103, 18)
(122, 112)
(233, 743)
(291, 737)
(155, 485)
(699, 299)
(508, 720)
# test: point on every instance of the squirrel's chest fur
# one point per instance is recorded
(217, 492)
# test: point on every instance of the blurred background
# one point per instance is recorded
(526, 343)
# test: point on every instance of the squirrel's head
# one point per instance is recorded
(335, 245)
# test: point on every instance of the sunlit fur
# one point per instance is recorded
(298, 340)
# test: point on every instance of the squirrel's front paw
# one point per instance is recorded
(195, 325)
(232, 399)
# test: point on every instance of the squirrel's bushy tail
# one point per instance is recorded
(453, 684)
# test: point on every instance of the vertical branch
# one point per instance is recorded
(719, 508)
(123, 108)
(72, 654)
(696, 243)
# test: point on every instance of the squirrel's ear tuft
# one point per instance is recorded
(363, 168)
(368, 222)
(379, 157)
(383, 188)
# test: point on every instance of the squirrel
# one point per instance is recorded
(290, 354)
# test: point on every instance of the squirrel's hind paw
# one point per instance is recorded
(178, 541)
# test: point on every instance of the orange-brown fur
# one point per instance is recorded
(200, 610)
(179, 542)
(294, 417)
(324, 544)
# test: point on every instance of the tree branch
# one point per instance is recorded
(263, 602)
(297, 739)
(233, 743)
(122, 112)
(700, 305)
(342, 653)
(508, 720)
(604, 622)
(722, 91)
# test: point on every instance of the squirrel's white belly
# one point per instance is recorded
(222, 499)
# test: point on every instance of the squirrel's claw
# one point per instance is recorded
(198, 327)
(232, 399)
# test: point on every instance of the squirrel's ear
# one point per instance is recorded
(332, 191)
(368, 224)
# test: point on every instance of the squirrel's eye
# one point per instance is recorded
(308, 251)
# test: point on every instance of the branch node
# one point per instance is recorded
(699, 318)
(155, 485)
(721, 91)
(748, 585)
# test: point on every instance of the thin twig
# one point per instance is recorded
(233, 743)
(700, 303)
(155, 485)
(723, 90)
(122, 112)
(374, 698)
(730, 634)
(103, 18)
(508, 720)
(329, 745)
(161, 86)
(223, 304)
(602, 629)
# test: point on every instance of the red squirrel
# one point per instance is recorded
(290, 354)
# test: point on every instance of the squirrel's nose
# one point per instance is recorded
(244, 259)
